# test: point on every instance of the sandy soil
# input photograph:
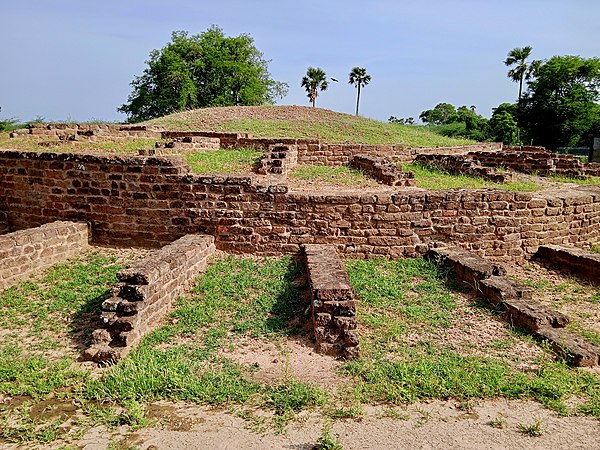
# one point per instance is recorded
(438, 424)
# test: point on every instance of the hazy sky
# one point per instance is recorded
(74, 59)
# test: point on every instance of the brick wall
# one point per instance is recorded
(463, 164)
(88, 131)
(145, 294)
(536, 160)
(279, 159)
(382, 170)
(153, 201)
(25, 252)
(4, 226)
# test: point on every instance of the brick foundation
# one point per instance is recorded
(382, 170)
(142, 201)
(583, 264)
(278, 159)
(145, 294)
(88, 131)
(25, 252)
(486, 279)
(464, 164)
(333, 302)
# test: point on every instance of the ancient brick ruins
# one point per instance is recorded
(154, 201)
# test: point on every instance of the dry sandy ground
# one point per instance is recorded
(434, 425)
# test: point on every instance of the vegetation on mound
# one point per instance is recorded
(300, 122)
(407, 310)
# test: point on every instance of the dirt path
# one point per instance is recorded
(420, 426)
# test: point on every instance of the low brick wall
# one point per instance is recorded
(333, 302)
(279, 159)
(382, 170)
(88, 131)
(142, 201)
(486, 279)
(463, 164)
(145, 294)
(581, 263)
(187, 144)
(536, 160)
(25, 252)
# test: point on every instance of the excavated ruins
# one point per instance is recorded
(53, 204)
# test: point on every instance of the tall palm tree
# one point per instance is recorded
(517, 57)
(359, 78)
(314, 81)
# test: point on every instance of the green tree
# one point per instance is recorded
(561, 107)
(203, 70)
(314, 81)
(517, 57)
(358, 77)
(503, 126)
(441, 114)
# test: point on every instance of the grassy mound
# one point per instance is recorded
(303, 122)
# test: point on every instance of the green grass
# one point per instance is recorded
(580, 181)
(257, 300)
(338, 175)
(304, 123)
(411, 296)
(224, 161)
(432, 178)
(596, 248)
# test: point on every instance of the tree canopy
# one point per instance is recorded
(560, 107)
(204, 70)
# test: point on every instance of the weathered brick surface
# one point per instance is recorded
(25, 252)
(150, 202)
(468, 268)
(576, 350)
(333, 303)
(278, 159)
(145, 293)
(543, 322)
(382, 170)
(584, 264)
(463, 164)
(89, 131)
(4, 225)
(536, 160)
(183, 145)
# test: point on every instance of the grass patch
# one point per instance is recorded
(581, 181)
(249, 298)
(433, 178)
(224, 161)
(596, 248)
(336, 175)
(304, 123)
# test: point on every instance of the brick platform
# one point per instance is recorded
(25, 252)
(333, 302)
(145, 294)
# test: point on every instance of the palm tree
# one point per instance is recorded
(314, 81)
(358, 77)
(522, 70)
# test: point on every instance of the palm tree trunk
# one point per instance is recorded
(358, 98)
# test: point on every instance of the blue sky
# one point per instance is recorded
(74, 59)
